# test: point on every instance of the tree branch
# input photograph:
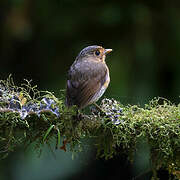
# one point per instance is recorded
(31, 116)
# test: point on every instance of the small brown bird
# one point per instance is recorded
(88, 77)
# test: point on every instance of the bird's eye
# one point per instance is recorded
(97, 52)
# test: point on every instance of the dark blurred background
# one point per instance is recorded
(40, 39)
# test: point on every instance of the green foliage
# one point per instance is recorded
(114, 131)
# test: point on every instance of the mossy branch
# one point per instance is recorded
(31, 116)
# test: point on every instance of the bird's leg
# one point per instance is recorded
(79, 114)
(99, 108)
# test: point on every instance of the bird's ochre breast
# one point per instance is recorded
(101, 91)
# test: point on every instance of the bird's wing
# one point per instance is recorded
(83, 84)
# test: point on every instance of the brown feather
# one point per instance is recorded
(85, 79)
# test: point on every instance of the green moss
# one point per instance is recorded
(114, 132)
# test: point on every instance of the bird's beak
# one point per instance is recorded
(107, 51)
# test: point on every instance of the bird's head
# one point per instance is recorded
(96, 53)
